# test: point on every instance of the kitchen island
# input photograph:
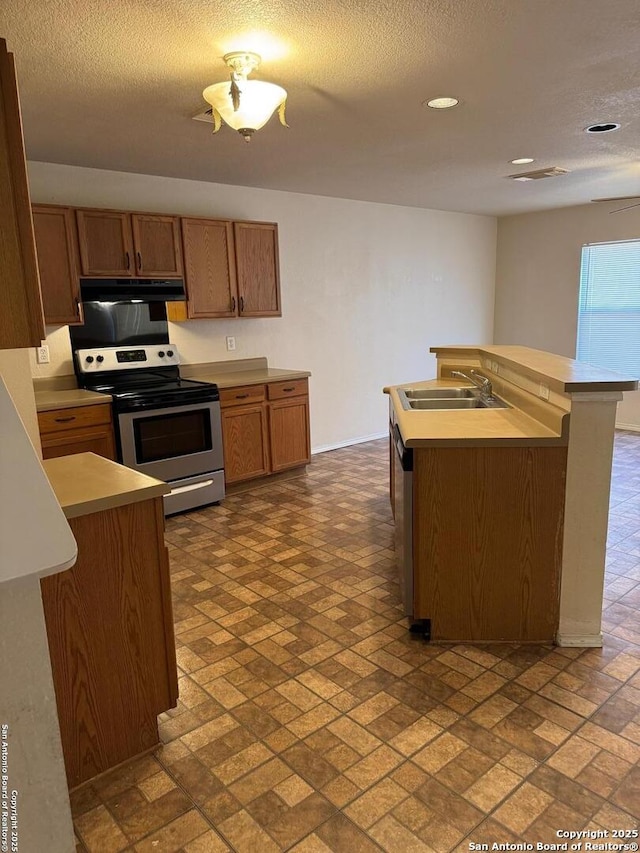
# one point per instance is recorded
(504, 521)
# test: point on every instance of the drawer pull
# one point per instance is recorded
(288, 389)
(241, 396)
(65, 420)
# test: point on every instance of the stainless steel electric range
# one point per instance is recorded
(166, 426)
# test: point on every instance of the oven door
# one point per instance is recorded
(174, 442)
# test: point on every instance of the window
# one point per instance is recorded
(609, 307)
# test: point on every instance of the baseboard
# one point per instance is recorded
(629, 427)
(326, 447)
(579, 641)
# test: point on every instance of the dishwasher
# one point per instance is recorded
(403, 503)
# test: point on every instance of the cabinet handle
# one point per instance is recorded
(127, 260)
(77, 301)
(233, 303)
(139, 256)
(65, 420)
(241, 396)
(288, 389)
(241, 303)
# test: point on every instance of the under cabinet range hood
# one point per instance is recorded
(132, 290)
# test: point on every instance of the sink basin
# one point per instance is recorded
(441, 399)
(439, 393)
(448, 403)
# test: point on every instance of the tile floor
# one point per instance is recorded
(311, 720)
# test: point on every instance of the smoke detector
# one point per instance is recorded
(538, 174)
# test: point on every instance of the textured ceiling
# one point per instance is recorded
(113, 84)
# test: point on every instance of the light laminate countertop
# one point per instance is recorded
(85, 483)
(233, 378)
(47, 401)
(561, 374)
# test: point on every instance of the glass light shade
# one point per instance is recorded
(258, 102)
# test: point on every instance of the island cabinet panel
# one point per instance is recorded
(157, 245)
(57, 248)
(210, 268)
(110, 632)
(257, 269)
(487, 536)
(77, 429)
(21, 318)
(106, 243)
(245, 442)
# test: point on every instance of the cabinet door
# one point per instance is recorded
(157, 245)
(289, 433)
(57, 247)
(106, 247)
(21, 318)
(98, 440)
(258, 270)
(210, 268)
(244, 438)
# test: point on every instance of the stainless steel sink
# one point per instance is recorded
(439, 393)
(442, 399)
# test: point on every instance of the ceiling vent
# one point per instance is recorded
(550, 172)
(206, 115)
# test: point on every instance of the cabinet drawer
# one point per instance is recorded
(73, 418)
(242, 395)
(292, 388)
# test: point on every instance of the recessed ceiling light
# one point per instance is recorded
(441, 103)
(605, 127)
(522, 160)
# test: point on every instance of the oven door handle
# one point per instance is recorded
(192, 487)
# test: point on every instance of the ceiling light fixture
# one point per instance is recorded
(245, 105)
(521, 161)
(441, 103)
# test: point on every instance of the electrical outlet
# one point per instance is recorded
(231, 343)
(544, 391)
(42, 354)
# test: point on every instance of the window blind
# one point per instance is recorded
(609, 306)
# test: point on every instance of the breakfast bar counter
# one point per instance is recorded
(500, 477)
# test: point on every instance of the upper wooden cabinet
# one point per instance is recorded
(123, 245)
(156, 240)
(57, 248)
(21, 318)
(258, 269)
(209, 267)
(231, 269)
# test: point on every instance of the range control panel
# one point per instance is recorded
(126, 358)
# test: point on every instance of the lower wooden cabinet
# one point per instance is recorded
(289, 433)
(265, 429)
(244, 438)
(111, 640)
(77, 430)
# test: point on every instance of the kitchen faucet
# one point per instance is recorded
(477, 379)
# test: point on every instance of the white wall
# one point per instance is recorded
(538, 279)
(366, 288)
